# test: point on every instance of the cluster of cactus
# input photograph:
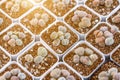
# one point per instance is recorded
(39, 19)
(105, 37)
(60, 37)
(61, 5)
(14, 38)
(14, 74)
(61, 74)
(14, 6)
(82, 19)
(41, 54)
(111, 74)
(85, 56)
(106, 3)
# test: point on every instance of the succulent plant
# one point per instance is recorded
(62, 28)
(21, 76)
(61, 78)
(14, 78)
(70, 77)
(104, 28)
(65, 72)
(14, 38)
(86, 60)
(15, 72)
(29, 58)
(88, 51)
(65, 42)
(109, 41)
(7, 74)
(111, 74)
(105, 37)
(55, 73)
(80, 13)
(116, 19)
(42, 51)
(61, 74)
(85, 56)
(108, 3)
(76, 58)
(54, 35)
(79, 51)
(38, 59)
(56, 42)
(85, 19)
(60, 37)
(96, 2)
